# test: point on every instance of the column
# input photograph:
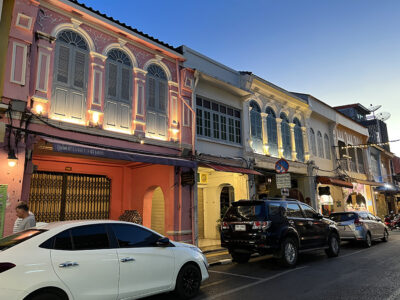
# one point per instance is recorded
(250, 139)
(306, 145)
(279, 133)
(265, 133)
(293, 140)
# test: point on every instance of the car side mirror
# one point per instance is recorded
(163, 242)
(319, 216)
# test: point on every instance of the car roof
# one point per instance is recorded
(69, 224)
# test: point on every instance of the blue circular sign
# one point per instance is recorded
(281, 166)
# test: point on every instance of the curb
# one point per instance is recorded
(214, 251)
(221, 262)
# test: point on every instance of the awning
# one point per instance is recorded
(107, 152)
(222, 168)
(334, 181)
(372, 183)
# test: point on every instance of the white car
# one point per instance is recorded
(95, 260)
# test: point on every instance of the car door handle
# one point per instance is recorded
(126, 259)
(68, 264)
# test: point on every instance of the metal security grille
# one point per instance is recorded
(59, 196)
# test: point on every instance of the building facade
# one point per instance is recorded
(99, 120)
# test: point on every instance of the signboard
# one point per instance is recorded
(3, 201)
(283, 181)
(282, 166)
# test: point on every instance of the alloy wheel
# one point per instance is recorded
(290, 252)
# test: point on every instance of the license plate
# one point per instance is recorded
(240, 227)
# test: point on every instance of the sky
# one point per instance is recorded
(341, 52)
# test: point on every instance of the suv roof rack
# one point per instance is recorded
(268, 199)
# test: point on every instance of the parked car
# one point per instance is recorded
(360, 226)
(94, 260)
(282, 227)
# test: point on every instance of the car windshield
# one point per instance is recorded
(15, 239)
(245, 212)
(342, 217)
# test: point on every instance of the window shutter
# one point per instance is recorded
(151, 101)
(79, 70)
(125, 84)
(259, 126)
(112, 80)
(162, 92)
(62, 67)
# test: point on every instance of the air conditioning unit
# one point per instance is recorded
(203, 178)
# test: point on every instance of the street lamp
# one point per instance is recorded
(12, 158)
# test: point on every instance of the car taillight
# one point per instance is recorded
(264, 225)
(357, 222)
(4, 266)
(225, 225)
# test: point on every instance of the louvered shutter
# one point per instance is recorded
(79, 69)
(112, 80)
(151, 94)
(125, 84)
(162, 96)
(63, 64)
(259, 126)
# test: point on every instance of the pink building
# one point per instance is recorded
(99, 118)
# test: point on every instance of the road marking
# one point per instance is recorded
(349, 254)
(213, 283)
(254, 283)
(237, 275)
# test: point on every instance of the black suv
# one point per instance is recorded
(283, 227)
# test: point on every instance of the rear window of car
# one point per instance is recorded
(342, 217)
(245, 212)
(17, 238)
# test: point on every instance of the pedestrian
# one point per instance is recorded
(19, 220)
(27, 218)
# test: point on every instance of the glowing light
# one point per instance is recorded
(69, 120)
(12, 163)
(95, 117)
(118, 130)
(39, 108)
(12, 159)
(175, 130)
(142, 142)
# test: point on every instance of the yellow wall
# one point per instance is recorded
(211, 197)
(5, 23)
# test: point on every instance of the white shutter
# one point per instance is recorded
(112, 80)
(79, 69)
(151, 97)
(162, 96)
(125, 84)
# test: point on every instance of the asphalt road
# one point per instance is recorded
(358, 273)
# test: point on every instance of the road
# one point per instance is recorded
(358, 273)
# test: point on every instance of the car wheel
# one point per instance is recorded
(385, 236)
(188, 282)
(289, 252)
(368, 241)
(334, 245)
(240, 258)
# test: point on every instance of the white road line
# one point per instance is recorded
(349, 254)
(213, 283)
(237, 275)
(254, 283)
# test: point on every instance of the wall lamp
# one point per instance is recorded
(12, 158)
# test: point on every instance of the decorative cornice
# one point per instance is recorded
(98, 55)
(76, 23)
(138, 70)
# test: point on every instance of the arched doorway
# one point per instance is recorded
(227, 196)
(158, 211)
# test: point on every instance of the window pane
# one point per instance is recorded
(199, 121)
(215, 106)
(207, 123)
(310, 213)
(223, 127)
(231, 131)
(293, 211)
(222, 109)
(238, 138)
(199, 101)
(206, 104)
(216, 125)
(129, 236)
(237, 114)
(90, 237)
(230, 111)
(62, 241)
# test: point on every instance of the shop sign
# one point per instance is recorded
(187, 178)
(3, 202)
(326, 200)
(283, 181)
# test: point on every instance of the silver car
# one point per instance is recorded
(360, 226)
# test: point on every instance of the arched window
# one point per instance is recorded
(327, 147)
(157, 101)
(70, 76)
(320, 143)
(298, 137)
(255, 121)
(118, 102)
(312, 142)
(286, 142)
(272, 132)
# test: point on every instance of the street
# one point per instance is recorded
(358, 273)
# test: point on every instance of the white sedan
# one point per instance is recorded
(94, 260)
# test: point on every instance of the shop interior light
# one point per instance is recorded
(12, 159)
(39, 109)
(95, 117)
